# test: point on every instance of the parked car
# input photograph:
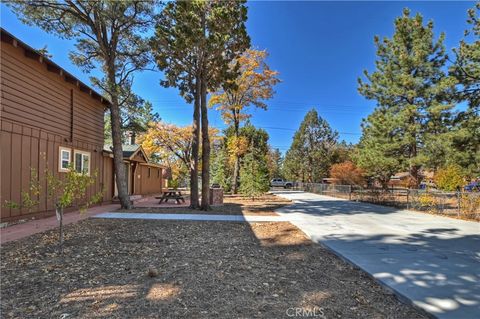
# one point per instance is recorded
(472, 187)
(427, 185)
(280, 182)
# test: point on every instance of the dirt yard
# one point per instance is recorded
(164, 269)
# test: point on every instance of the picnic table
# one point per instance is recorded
(171, 194)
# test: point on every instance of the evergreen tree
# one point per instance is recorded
(238, 147)
(413, 93)
(312, 151)
(254, 174)
(219, 169)
(466, 134)
(274, 161)
(343, 152)
(467, 65)
(194, 44)
(466, 142)
(292, 168)
(377, 149)
(136, 115)
(255, 137)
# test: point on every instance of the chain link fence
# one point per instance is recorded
(460, 204)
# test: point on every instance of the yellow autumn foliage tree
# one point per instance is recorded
(236, 147)
(172, 145)
(253, 86)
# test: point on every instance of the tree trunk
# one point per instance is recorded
(236, 167)
(414, 168)
(115, 119)
(205, 149)
(195, 147)
(415, 174)
(59, 212)
(384, 183)
(236, 174)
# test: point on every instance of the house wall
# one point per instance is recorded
(144, 185)
(148, 185)
(40, 112)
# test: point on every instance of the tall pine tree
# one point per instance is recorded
(467, 65)
(312, 151)
(413, 93)
(466, 134)
(377, 149)
(254, 174)
(194, 44)
(220, 171)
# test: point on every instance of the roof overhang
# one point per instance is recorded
(153, 165)
(141, 151)
(31, 53)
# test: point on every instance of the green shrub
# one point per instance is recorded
(450, 178)
(254, 175)
(173, 183)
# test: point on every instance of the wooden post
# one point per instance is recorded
(458, 204)
(408, 193)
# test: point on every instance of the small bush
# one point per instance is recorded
(426, 201)
(470, 205)
(173, 183)
(347, 173)
(450, 178)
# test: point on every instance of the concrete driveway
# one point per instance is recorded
(431, 261)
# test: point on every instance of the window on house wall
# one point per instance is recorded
(149, 172)
(158, 172)
(82, 162)
(65, 158)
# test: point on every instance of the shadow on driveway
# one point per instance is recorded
(432, 261)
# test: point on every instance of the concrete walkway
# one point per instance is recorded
(194, 217)
(18, 231)
(430, 261)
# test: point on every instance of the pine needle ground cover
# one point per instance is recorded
(167, 269)
(233, 205)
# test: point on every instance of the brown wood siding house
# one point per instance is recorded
(48, 120)
(143, 177)
(46, 113)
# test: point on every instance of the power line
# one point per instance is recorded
(279, 103)
(321, 111)
(276, 103)
(303, 107)
(291, 129)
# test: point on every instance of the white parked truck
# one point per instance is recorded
(280, 182)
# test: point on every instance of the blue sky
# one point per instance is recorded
(319, 48)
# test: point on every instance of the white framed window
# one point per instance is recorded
(64, 158)
(81, 161)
